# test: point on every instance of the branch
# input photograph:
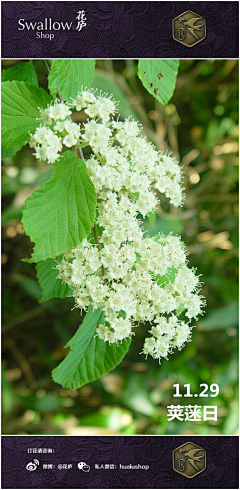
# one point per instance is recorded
(96, 237)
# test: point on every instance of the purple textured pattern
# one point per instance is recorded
(118, 30)
(155, 451)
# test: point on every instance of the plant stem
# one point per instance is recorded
(23, 364)
(48, 70)
(96, 237)
(46, 65)
(81, 153)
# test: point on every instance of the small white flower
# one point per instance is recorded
(59, 111)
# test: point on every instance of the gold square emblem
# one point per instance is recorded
(189, 28)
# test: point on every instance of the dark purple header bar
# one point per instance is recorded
(115, 30)
(115, 462)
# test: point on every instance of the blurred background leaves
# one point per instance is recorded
(200, 126)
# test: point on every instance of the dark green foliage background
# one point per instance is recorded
(199, 125)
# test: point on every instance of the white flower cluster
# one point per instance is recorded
(133, 279)
(124, 161)
(48, 141)
(130, 277)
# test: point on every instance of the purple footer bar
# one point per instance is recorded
(116, 462)
(114, 30)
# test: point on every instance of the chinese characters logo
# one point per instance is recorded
(189, 28)
(189, 460)
(82, 20)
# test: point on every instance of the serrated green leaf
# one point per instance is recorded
(20, 103)
(61, 213)
(23, 72)
(159, 77)
(51, 287)
(68, 76)
(89, 358)
(10, 152)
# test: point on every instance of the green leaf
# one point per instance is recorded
(68, 76)
(135, 395)
(89, 357)
(112, 418)
(29, 285)
(23, 72)
(221, 318)
(7, 395)
(61, 213)
(107, 83)
(163, 223)
(20, 103)
(151, 217)
(51, 286)
(11, 212)
(10, 152)
(159, 77)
